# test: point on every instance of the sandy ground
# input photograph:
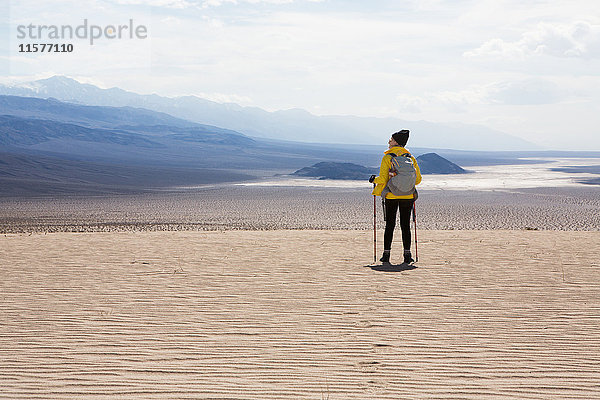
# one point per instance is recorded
(299, 315)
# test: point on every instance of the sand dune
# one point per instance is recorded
(299, 315)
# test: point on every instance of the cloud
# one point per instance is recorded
(218, 3)
(579, 39)
(182, 4)
(525, 92)
(532, 91)
(411, 104)
(177, 4)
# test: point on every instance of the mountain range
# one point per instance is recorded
(49, 146)
(294, 124)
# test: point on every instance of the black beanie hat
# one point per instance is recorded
(401, 137)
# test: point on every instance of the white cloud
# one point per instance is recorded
(533, 91)
(411, 104)
(177, 4)
(218, 3)
(214, 22)
(578, 39)
(525, 92)
(171, 21)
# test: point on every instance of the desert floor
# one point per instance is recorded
(298, 314)
(266, 208)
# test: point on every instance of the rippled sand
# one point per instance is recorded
(299, 315)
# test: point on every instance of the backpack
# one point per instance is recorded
(404, 176)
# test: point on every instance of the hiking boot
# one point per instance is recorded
(385, 258)
(408, 258)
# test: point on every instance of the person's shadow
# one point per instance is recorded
(392, 267)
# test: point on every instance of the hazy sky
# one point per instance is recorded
(528, 68)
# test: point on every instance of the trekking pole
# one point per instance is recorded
(414, 213)
(372, 180)
(374, 228)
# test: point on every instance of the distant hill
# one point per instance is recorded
(432, 163)
(336, 170)
(293, 124)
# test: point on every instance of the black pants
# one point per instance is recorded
(391, 208)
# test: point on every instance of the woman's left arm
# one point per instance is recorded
(383, 177)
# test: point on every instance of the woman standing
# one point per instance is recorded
(393, 203)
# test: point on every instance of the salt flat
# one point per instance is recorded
(299, 314)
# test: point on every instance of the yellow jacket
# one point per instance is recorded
(386, 163)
